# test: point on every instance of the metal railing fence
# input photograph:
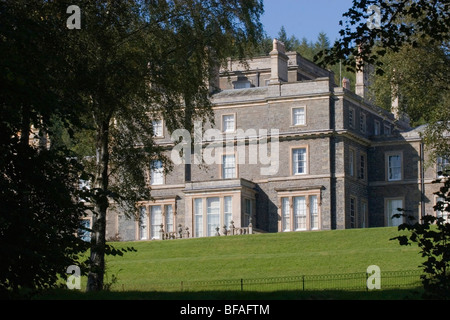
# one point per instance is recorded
(351, 281)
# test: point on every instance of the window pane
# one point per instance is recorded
(198, 217)
(299, 161)
(228, 211)
(314, 212)
(362, 167)
(155, 221)
(442, 165)
(84, 234)
(212, 215)
(169, 218)
(229, 167)
(228, 123)
(352, 212)
(392, 206)
(377, 128)
(286, 218)
(300, 213)
(395, 168)
(364, 214)
(157, 173)
(298, 116)
(157, 128)
(143, 224)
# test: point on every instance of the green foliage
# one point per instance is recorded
(432, 236)
(401, 22)
(419, 76)
(39, 218)
(132, 62)
(40, 212)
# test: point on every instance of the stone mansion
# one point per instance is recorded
(333, 159)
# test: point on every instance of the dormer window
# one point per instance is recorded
(242, 83)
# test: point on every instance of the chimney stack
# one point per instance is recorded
(279, 63)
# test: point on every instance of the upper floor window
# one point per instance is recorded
(298, 116)
(362, 123)
(157, 128)
(442, 164)
(387, 130)
(362, 166)
(228, 166)
(242, 84)
(351, 162)
(228, 123)
(377, 128)
(394, 167)
(299, 162)
(351, 117)
(157, 173)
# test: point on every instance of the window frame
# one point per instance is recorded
(163, 203)
(376, 128)
(353, 215)
(440, 163)
(442, 214)
(364, 213)
(222, 167)
(293, 170)
(387, 219)
(362, 174)
(387, 165)
(293, 124)
(154, 171)
(287, 219)
(351, 117)
(155, 134)
(352, 161)
(362, 122)
(203, 230)
(222, 118)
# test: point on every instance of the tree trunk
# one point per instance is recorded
(98, 242)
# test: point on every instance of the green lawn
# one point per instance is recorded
(260, 256)
(257, 256)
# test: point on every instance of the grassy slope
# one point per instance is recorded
(260, 256)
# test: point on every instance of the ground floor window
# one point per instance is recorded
(210, 213)
(392, 206)
(300, 212)
(152, 217)
(84, 231)
(443, 213)
(353, 217)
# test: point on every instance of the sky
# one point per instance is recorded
(304, 18)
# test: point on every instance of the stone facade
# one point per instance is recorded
(332, 159)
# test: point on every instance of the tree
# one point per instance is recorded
(419, 77)
(432, 235)
(41, 211)
(407, 41)
(397, 22)
(137, 61)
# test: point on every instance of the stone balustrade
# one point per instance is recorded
(184, 233)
